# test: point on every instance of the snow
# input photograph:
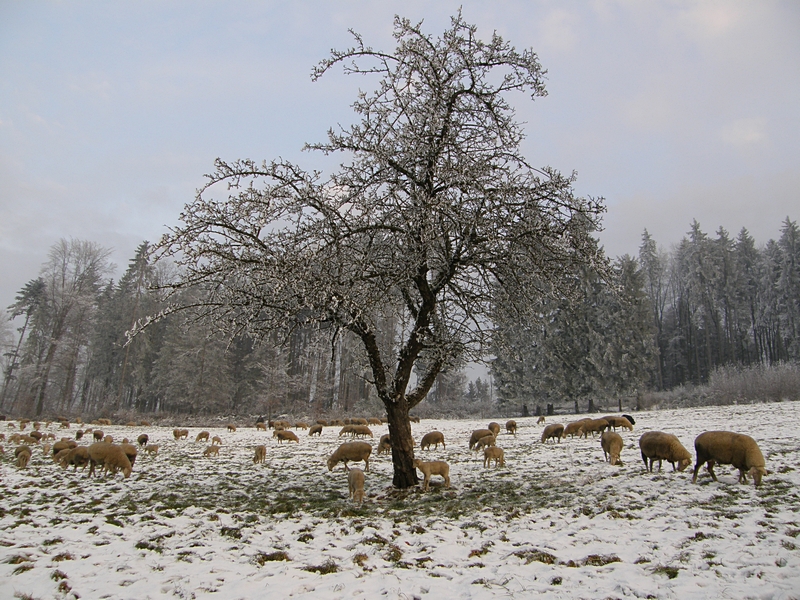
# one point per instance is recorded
(556, 521)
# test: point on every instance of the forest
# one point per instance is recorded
(656, 321)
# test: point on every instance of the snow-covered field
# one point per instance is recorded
(557, 520)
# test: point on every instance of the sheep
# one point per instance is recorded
(184, 434)
(728, 448)
(23, 455)
(346, 430)
(574, 428)
(261, 426)
(355, 481)
(151, 449)
(612, 444)
(144, 423)
(108, 439)
(631, 420)
(593, 425)
(413, 419)
(63, 445)
(130, 451)
(435, 438)
(436, 467)
(212, 449)
(350, 451)
(261, 455)
(37, 435)
(98, 435)
(202, 436)
(216, 440)
(143, 439)
(361, 431)
(494, 454)
(284, 435)
(385, 445)
(110, 457)
(511, 427)
(615, 422)
(315, 429)
(176, 433)
(373, 421)
(485, 442)
(77, 457)
(282, 424)
(553, 431)
(476, 435)
(79, 434)
(301, 425)
(231, 427)
(28, 440)
(322, 422)
(660, 446)
(540, 420)
(494, 428)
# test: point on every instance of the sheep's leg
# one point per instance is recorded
(710, 467)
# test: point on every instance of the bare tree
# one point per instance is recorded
(435, 217)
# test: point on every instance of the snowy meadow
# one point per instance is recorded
(557, 520)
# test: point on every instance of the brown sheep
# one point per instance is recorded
(77, 457)
(130, 451)
(23, 456)
(110, 457)
(261, 455)
(322, 422)
(216, 440)
(361, 431)
(284, 435)
(151, 449)
(435, 438)
(494, 454)
(594, 425)
(612, 444)
(436, 467)
(184, 434)
(553, 431)
(176, 433)
(413, 419)
(511, 427)
(108, 439)
(728, 448)
(615, 422)
(301, 425)
(476, 435)
(315, 430)
(485, 442)
(350, 451)
(574, 428)
(212, 449)
(231, 427)
(660, 446)
(373, 421)
(540, 420)
(494, 428)
(346, 430)
(143, 439)
(355, 482)
(202, 436)
(79, 434)
(261, 426)
(63, 445)
(385, 445)
(98, 435)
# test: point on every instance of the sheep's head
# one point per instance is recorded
(331, 463)
(683, 463)
(757, 473)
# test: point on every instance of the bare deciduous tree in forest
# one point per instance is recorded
(436, 217)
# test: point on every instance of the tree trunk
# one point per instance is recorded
(405, 475)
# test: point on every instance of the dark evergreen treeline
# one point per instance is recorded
(664, 319)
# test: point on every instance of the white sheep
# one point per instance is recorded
(436, 467)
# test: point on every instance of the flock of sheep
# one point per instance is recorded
(105, 456)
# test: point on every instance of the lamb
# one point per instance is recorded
(511, 427)
(436, 467)
(435, 438)
(212, 449)
(728, 448)
(485, 442)
(385, 445)
(23, 455)
(477, 435)
(143, 439)
(553, 431)
(350, 451)
(660, 446)
(151, 449)
(355, 481)
(110, 457)
(216, 440)
(261, 455)
(494, 454)
(202, 436)
(593, 425)
(315, 429)
(612, 444)
(494, 428)
(284, 435)
(615, 422)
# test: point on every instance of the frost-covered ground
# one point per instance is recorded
(557, 520)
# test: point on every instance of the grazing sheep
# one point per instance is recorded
(728, 448)
(108, 439)
(130, 451)
(413, 419)
(63, 445)
(435, 438)
(385, 444)
(615, 422)
(351, 451)
(212, 449)
(346, 430)
(284, 435)
(494, 428)
(631, 420)
(612, 444)
(315, 429)
(373, 421)
(660, 446)
(79, 434)
(361, 431)
(592, 425)
(485, 442)
(355, 481)
(282, 424)
(322, 422)
(511, 427)
(23, 456)
(231, 427)
(143, 439)
(216, 440)
(540, 420)
(110, 457)
(476, 435)
(436, 467)
(202, 436)
(98, 435)
(261, 455)
(176, 433)
(261, 426)
(77, 457)
(494, 454)
(301, 425)
(28, 440)
(574, 428)
(37, 435)
(151, 449)
(553, 431)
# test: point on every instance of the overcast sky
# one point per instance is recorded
(111, 112)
